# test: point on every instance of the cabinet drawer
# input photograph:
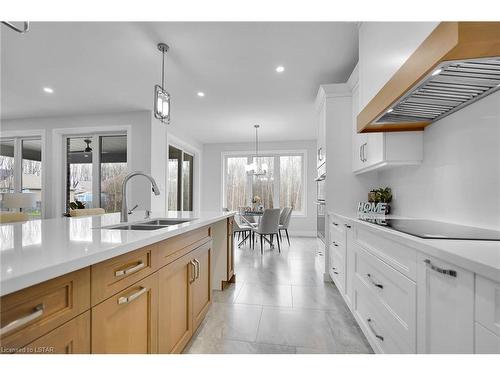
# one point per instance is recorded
(337, 268)
(32, 312)
(377, 326)
(488, 304)
(175, 247)
(113, 275)
(72, 337)
(486, 341)
(398, 255)
(396, 292)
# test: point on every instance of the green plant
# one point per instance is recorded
(383, 195)
(76, 205)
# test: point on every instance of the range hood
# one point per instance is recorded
(458, 64)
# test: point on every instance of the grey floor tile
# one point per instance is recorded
(323, 296)
(203, 345)
(265, 294)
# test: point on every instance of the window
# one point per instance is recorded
(21, 170)
(96, 166)
(282, 185)
(180, 180)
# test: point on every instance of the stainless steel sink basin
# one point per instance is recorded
(166, 221)
(136, 227)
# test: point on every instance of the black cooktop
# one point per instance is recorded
(437, 230)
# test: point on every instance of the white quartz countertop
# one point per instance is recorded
(480, 257)
(35, 251)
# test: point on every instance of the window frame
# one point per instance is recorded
(18, 137)
(276, 154)
(180, 176)
(96, 162)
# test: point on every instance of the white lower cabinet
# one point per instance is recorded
(445, 301)
(487, 337)
(486, 341)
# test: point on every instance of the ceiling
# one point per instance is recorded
(106, 67)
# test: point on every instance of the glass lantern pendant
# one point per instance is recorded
(162, 97)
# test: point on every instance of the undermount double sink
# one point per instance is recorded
(148, 225)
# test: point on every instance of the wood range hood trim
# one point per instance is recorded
(448, 41)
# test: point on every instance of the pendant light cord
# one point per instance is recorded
(163, 70)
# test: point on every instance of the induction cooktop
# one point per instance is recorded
(438, 230)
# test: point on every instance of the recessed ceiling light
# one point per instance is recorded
(48, 90)
(280, 69)
(200, 94)
(436, 72)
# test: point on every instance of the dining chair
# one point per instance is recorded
(86, 212)
(268, 226)
(285, 217)
(13, 217)
(242, 229)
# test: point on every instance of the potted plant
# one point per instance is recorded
(381, 195)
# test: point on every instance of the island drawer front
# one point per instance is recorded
(488, 304)
(115, 274)
(398, 255)
(486, 341)
(72, 337)
(394, 290)
(337, 230)
(32, 312)
(175, 247)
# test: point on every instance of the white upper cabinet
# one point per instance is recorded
(383, 48)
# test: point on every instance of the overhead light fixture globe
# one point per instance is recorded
(280, 69)
(162, 97)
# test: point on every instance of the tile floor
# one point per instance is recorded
(279, 304)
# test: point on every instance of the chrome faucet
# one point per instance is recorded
(156, 190)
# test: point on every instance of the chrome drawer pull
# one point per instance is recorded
(335, 244)
(334, 223)
(197, 268)
(335, 272)
(347, 226)
(130, 298)
(37, 312)
(373, 282)
(369, 320)
(451, 273)
(193, 271)
(130, 270)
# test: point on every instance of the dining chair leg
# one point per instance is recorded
(279, 245)
(271, 237)
(287, 237)
(261, 245)
(279, 232)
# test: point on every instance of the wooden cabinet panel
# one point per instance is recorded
(72, 337)
(175, 247)
(445, 303)
(230, 249)
(175, 324)
(127, 322)
(202, 291)
(34, 311)
(115, 274)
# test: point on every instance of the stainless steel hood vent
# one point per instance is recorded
(450, 87)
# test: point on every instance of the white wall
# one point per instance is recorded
(147, 141)
(459, 179)
(211, 196)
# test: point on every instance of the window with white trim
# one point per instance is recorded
(282, 186)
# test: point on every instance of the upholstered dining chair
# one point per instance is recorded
(86, 212)
(13, 217)
(285, 217)
(268, 226)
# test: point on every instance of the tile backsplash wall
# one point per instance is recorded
(459, 179)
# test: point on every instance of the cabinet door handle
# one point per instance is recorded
(193, 271)
(334, 223)
(197, 262)
(373, 282)
(131, 269)
(335, 244)
(347, 226)
(37, 312)
(370, 321)
(360, 153)
(133, 296)
(451, 273)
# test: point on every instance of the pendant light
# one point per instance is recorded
(253, 169)
(162, 97)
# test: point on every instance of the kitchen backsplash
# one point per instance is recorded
(459, 179)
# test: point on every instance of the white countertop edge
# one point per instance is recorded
(443, 249)
(26, 280)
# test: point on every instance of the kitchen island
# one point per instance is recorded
(77, 285)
